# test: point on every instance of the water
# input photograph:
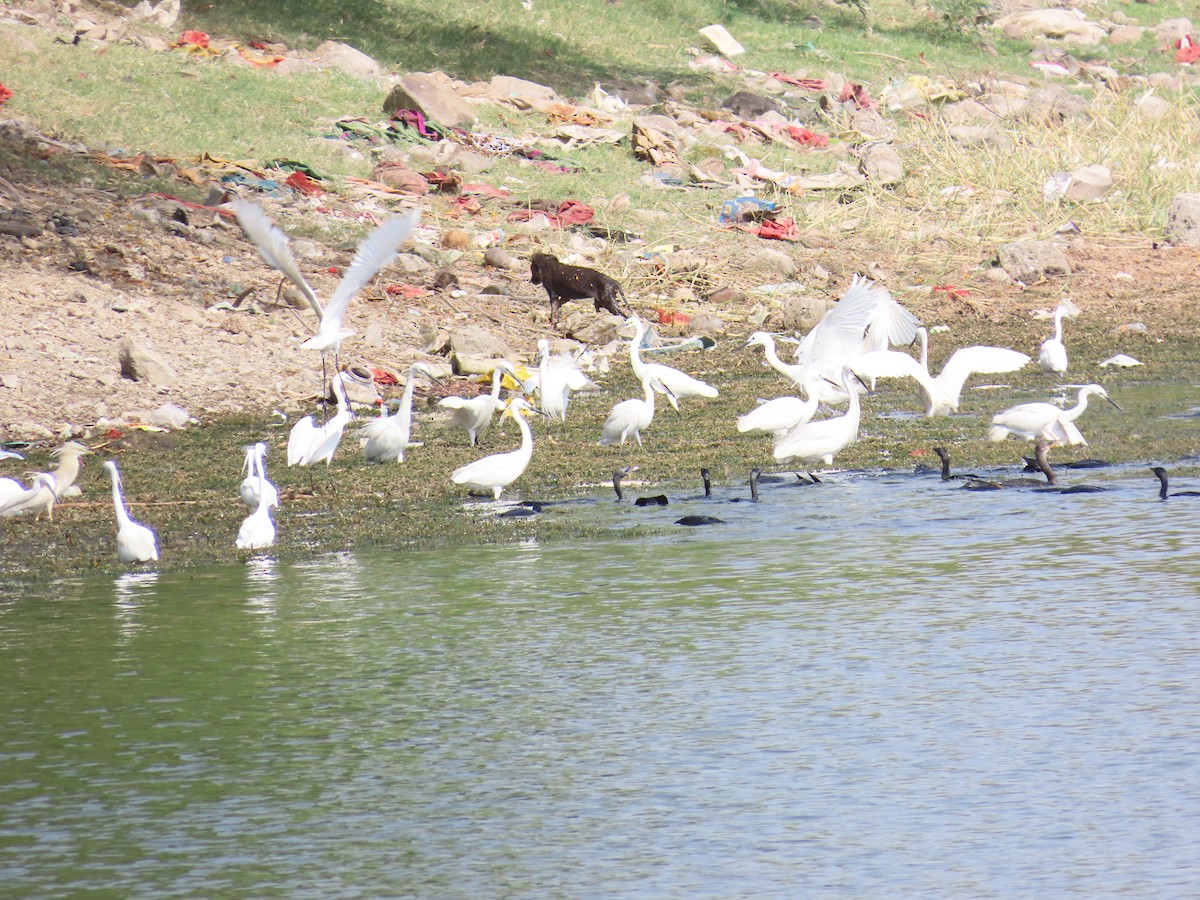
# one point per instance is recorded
(875, 686)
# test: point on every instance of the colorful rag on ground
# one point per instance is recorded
(570, 212)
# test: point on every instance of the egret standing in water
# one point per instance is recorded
(309, 443)
(257, 531)
(630, 417)
(1053, 355)
(476, 414)
(665, 379)
(1031, 421)
(256, 484)
(386, 438)
(135, 542)
(496, 472)
(942, 392)
(822, 440)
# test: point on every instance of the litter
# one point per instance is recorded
(1120, 360)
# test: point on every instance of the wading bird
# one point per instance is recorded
(384, 439)
(1031, 421)
(676, 385)
(496, 472)
(39, 497)
(476, 413)
(630, 417)
(135, 542)
(309, 443)
(823, 439)
(257, 531)
(256, 484)
(557, 377)
(1053, 355)
(942, 392)
(1161, 474)
(42, 499)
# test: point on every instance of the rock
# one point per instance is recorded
(1055, 104)
(401, 177)
(411, 264)
(749, 105)
(802, 313)
(139, 363)
(997, 275)
(359, 383)
(872, 125)
(588, 327)
(1152, 107)
(1183, 220)
(1089, 183)
(1125, 34)
(12, 382)
(705, 323)
(472, 340)
(170, 415)
(721, 40)
(881, 164)
(432, 95)
(980, 136)
(520, 89)
(373, 336)
(967, 112)
(770, 262)
(1030, 261)
(1167, 32)
(499, 258)
(336, 55)
(725, 295)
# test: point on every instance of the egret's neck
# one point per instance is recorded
(67, 471)
(118, 500)
(497, 377)
(923, 335)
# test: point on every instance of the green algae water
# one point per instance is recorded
(876, 685)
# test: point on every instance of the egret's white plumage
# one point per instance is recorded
(256, 484)
(665, 379)
(386, 438)
(475, 414)
(1053, 355)
(257, 531)
(942, 392)
(496, 472)
(629, 418)
(557, 377)
(779, 415)
(823, 439)
(39, 497)
(793, 372)
(310, 443)
(375, 252)
(135, 542)
(1031, 421)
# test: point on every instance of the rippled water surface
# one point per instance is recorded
(875, 686)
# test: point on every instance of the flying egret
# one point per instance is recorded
(942, 392)
(496, 472)
(557, 377)
(309, 443)
(257, 531)
(42, 500)
(630, 417)
(1053, 355)
(1161, 474)
(253, 486)
(1030, 421)
(665, 379)
(821, 440)
(39, 497)
(376, 251)
(476, 413)
(386, 438)
(135, 542)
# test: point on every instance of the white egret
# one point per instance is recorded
(375, 252)
(135, 542)
(667, 380)
(629, 417)
(386, 438)
(821, 440)
(257, 531)
(557, 377)
(1161, 474)
(942, 392)
(1031, 421)
(309, 443)
(10, 454)
(256, 484)
(39, 497)
(43, 499)
(1053, 355)
(793, 372)
(476, 413)
(781, 414)
(496, 472)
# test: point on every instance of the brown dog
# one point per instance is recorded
(563, 283)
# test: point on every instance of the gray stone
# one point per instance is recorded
(980, 136)
(520, 89)
(432, 96)
(336, 55)
(1167, 32)
(967, 112)
(749, 105)
(472, 340)
(1152, 107)
(589, 327)
(1055, 104)
(411, 264)
(802, 313)
(1183, 220)
(872, 125)
(771, 263)
(1030, 261)
(725, 295)
(140, 363)
(1125, 34)
(881, 164)
(705, 323)
(499, 258)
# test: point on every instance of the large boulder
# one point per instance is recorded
(433, 95)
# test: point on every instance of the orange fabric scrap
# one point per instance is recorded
(952, 292)
(5, 94)
(193, 39)
(807, 138)
(383, 376)
(405, 291)
(809, 84)
(298, 181)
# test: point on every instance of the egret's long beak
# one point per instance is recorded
(1114, 403)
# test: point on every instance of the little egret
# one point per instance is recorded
(257, 531)
(135, 542)
(665, 379)
(1030, 421)
(794, 373)
(779, 415)
(386, 438)
(496, 472)
(942, 392)
(1161, 474)
(476, 414)
(629, 417)
(821, 440)
(309, 443)
(42, 500)
(256, 484)
(1053, 355)
(39, 497)
(557, 377)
